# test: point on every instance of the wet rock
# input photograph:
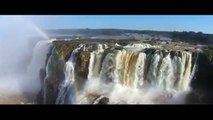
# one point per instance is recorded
(193, 98)
(54, 78)
(104, 100)
(101, 100)
(199, 97)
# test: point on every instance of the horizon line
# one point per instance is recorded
(126, 29)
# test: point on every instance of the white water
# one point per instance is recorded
(66, 90)
(121, 77)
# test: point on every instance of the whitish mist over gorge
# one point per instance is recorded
(16, 53)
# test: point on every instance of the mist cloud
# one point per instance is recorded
(16, 48)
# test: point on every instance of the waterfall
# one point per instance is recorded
(47, 75)
(95, 64)
(133, 74)
(140, 71)
(40, 52)
(66, 89)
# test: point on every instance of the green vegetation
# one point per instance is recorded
(65, 48)
(184, 36)
(193, 37)
(209, 54)
(83, 63)
(82, 69)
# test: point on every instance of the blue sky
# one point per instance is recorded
(203, 23)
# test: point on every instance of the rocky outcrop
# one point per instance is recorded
(65, 48)
(101, 100)
(82, 69)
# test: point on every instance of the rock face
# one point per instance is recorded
(101, 100)
(54, 77)
(104, 61)
(202, 83)
(81, 71)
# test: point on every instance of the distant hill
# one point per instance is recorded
(189, 37)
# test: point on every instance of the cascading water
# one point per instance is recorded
(109, 73)
(66, 90)
(132, 76)
(94, 67)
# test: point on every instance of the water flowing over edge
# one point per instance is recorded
(131, 75)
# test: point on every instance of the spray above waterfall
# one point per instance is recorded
(16, 52)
